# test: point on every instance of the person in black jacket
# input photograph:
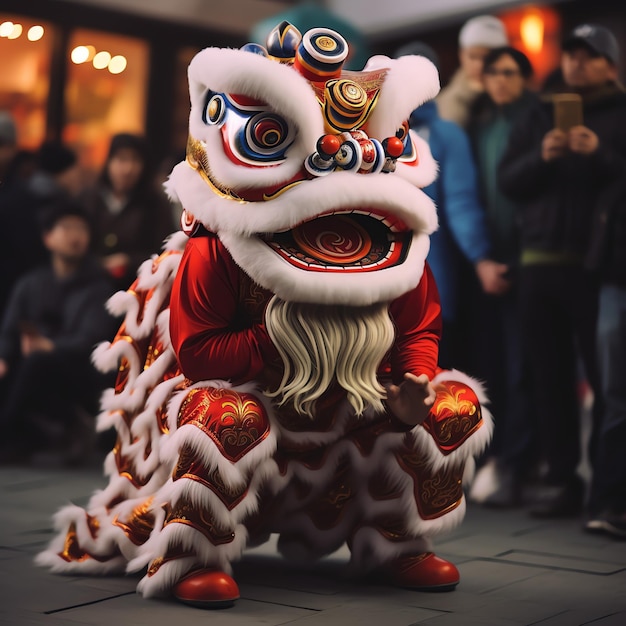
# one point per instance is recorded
(557, 177)
(55, 316)
(131, 218)
(607, 256)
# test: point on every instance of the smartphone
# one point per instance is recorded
(568, 111)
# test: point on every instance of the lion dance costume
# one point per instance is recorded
(255, 351)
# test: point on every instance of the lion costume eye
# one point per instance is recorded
(408, 154)
(215, 109)
(251, 132)
(265, 137)
(403, 131)
(266, 131)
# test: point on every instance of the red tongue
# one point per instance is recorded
(333, 239)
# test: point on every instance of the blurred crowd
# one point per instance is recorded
(66, 245)
(530, 261)
(529, 258)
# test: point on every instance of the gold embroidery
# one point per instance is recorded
(140, 523)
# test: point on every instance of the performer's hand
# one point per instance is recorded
(116, 264)
(554, 145)
(410, 401)
(492, 276)
(4, 368)
(35, 342)
(583, 140)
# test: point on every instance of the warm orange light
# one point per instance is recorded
(6, 28)
(101, 60)
(35, 33)
(531, 32)
(117, 64)
(79, 54)
(16, 31)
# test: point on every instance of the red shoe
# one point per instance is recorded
(207, 589)
(423, 572)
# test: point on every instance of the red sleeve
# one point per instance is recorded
(417, 317)
(209, 335)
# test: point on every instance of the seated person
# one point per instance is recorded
(54, 317)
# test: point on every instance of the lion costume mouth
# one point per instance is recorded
(353, 240)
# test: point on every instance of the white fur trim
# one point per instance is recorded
(474, 445)
(425, 171)
(390, 193)
(410, 81)
(356, 289)
(284, 90)
(104, 545)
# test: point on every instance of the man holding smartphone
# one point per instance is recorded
(557, 172)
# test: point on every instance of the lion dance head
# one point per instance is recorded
(311, 178)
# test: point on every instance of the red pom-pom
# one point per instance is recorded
(393, 147)
(328, 145)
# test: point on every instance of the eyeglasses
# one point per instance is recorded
(507, 72)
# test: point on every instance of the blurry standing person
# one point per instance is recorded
(476, 38)
(131, 218)
(501, 361)
(607, 255)
(557, 176)
(462, 237)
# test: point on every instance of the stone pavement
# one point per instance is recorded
(514, 571)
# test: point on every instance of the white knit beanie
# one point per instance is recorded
(484, 30)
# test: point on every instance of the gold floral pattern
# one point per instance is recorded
(236, 422)
(140, 523)
(328, 511)
(436, 493)
(126, 467)
(191, 468)
(455, 415)
(184, 512)
(173, 553)
(72, 551)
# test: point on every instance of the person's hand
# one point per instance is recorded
(4, 368)
(116, 264)
(35, 342)
(554, 144)
(492, 277)
(582, 140)
(410, 401)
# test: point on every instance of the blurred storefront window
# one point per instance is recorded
(180, 123)
(25, 54)
(105, 91)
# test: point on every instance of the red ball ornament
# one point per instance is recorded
(328, 146)
(393, 147)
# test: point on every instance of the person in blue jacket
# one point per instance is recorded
(462, 235)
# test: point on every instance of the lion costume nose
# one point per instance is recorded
(354, 151)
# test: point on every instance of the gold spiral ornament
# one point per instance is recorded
(346, 104)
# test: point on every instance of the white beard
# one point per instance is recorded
(321, 344)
